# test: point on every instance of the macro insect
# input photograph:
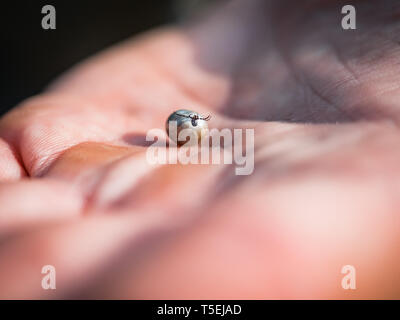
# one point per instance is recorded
(189, 120)
(194, 117)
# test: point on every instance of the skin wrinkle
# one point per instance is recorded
(299, 77)
(360, 102)
(353, 75)
(11, 166)
(100, 198)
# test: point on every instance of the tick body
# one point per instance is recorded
(186, 119)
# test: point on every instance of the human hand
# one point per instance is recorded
(78, 193)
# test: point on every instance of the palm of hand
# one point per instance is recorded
(323, 194)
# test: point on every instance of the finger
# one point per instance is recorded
(80, 250)
(10, 167)
(27, 202)
(45, 126)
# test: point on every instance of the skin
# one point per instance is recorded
(77, 192)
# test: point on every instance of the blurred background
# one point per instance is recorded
(32, 57)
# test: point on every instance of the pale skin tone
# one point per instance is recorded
(78, 194)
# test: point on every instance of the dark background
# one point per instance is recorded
(31, 57)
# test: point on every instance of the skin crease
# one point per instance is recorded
(77, 192)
